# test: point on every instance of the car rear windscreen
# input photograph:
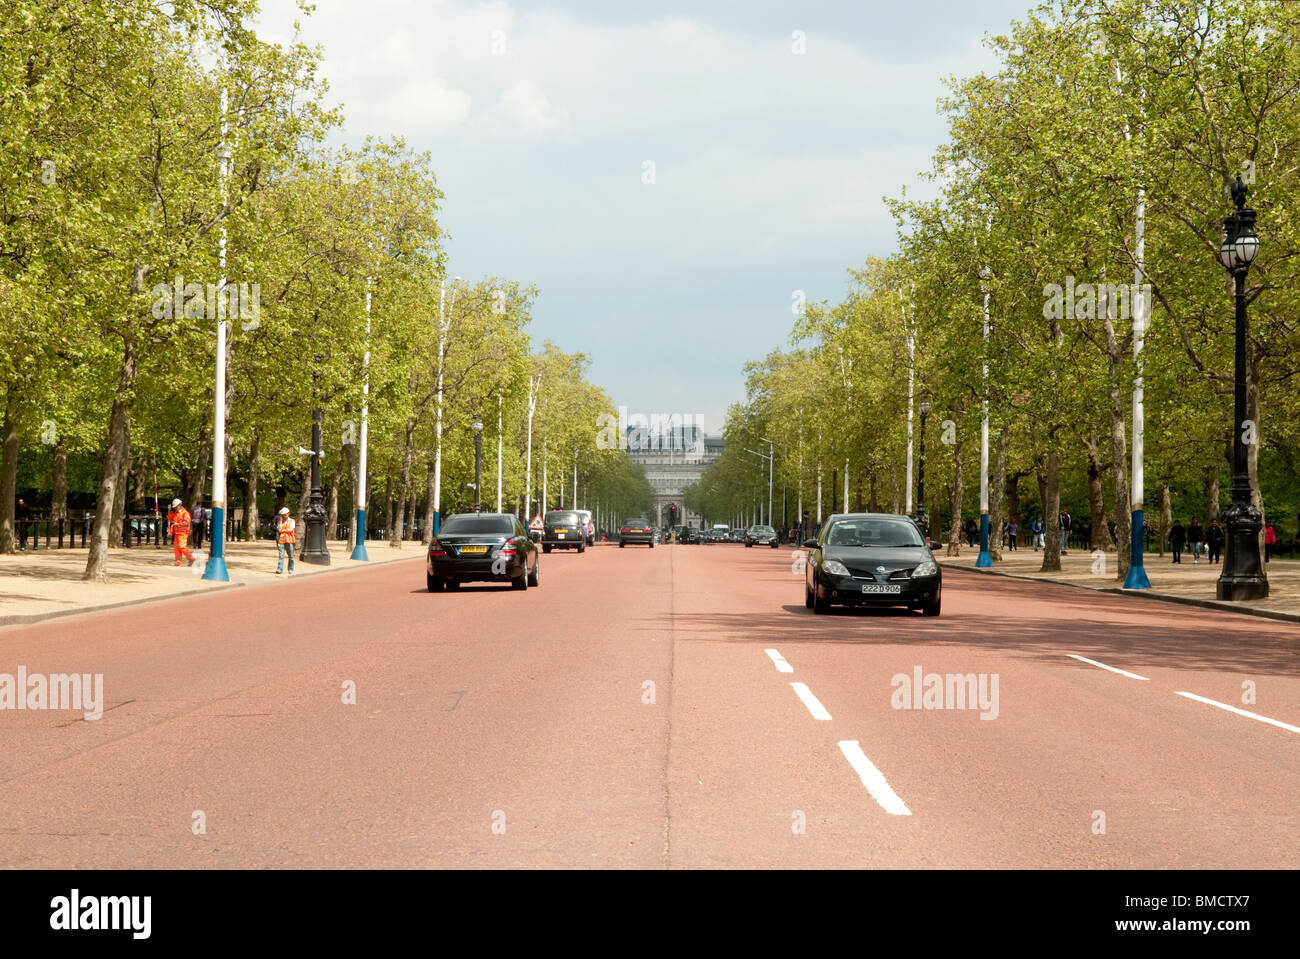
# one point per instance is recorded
(636, 522)
(561, 518)
(477, 526)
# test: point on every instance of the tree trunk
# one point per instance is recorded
(1252, 449)
(1166, 515)
(252, 518)
(996, 511)
(1096, 496)
(9, 476)
(332, 499)
(304, 500)
(1052, 509)
(388, 502)
(1013, 498)
(397, 532)
(1211, 495)
(955, 502)
(114, 460)
(196, 480)
(59, 478)
(119, 494)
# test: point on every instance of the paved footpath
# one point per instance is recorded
(660, 708)
(42, 584)
(1185, 582)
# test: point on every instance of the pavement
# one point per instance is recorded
(41, 584)
(665, 708)
(1187, 583)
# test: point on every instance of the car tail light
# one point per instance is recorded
(506, 551)
(435, 549)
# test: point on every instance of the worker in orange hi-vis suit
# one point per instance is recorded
(178, 521)
(285, 540)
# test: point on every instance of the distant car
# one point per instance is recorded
(482, 547)
(762, 536)
(636, 530)
(563, 529)
(736, 536)
(687, 535)
(589, 530)
(871, 559)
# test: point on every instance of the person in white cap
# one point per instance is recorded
(178, 522)
(285, 540)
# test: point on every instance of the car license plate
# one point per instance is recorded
(473, 549)
(559, 535)
(882, 588)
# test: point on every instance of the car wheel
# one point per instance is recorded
(820, 605)
(453, 584)
(582, 547)
(621, 544)
(773, 544)
(748, 544)
(807, 595)
(520, 583)
(546, 547)
(932, 609)
(652, 545)
(533, 576)
(435, 585)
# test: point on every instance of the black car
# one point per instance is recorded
(636, 530)
(762, 536)
(484, 548)
(871, 559)
(564, 529)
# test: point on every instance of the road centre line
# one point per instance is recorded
(814, 706)
(1093, 662)
(873, 779)
(1241, 712)
(781, 665)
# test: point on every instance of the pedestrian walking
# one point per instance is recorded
(179, 525)
(1270, 540)
(972, 532)
(198, 518)
(284, 540)
(1013, 531)
(22, 516)
(1177, 537)
(1039, 529)
(1066, 523)
(1214, 537)
(1195, 537)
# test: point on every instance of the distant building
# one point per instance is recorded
(674, 459)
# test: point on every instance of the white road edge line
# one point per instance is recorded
(871, 777)
(781, 665)
(1241, 712)
(816, 708)
(1093, 662)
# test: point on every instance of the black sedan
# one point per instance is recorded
(762, 536)
(871, 559)
(564, 529)
(636, 530)
(484, 548)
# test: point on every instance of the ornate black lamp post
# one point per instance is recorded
(478, 458)
(922, 518)
(314, 550)
(1243, 574)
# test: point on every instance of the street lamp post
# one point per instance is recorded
(499, 477)
(478, 458)
(215, 568)
(985, 559)
(922, 518)
(444, 325)
(315, 551)
(359, 534)
(1243, 575)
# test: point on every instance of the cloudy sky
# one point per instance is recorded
(547, 119)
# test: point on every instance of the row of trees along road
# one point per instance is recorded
(1097, 106)
(117, 120)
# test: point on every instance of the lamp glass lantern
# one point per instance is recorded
(478, 423)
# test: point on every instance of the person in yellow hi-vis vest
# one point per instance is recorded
(285, 540)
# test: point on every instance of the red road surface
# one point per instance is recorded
(626, 714)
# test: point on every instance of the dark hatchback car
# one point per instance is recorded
(636, 530)
(762, 536)
(483, 548)
(564, 529)
(871, 559)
